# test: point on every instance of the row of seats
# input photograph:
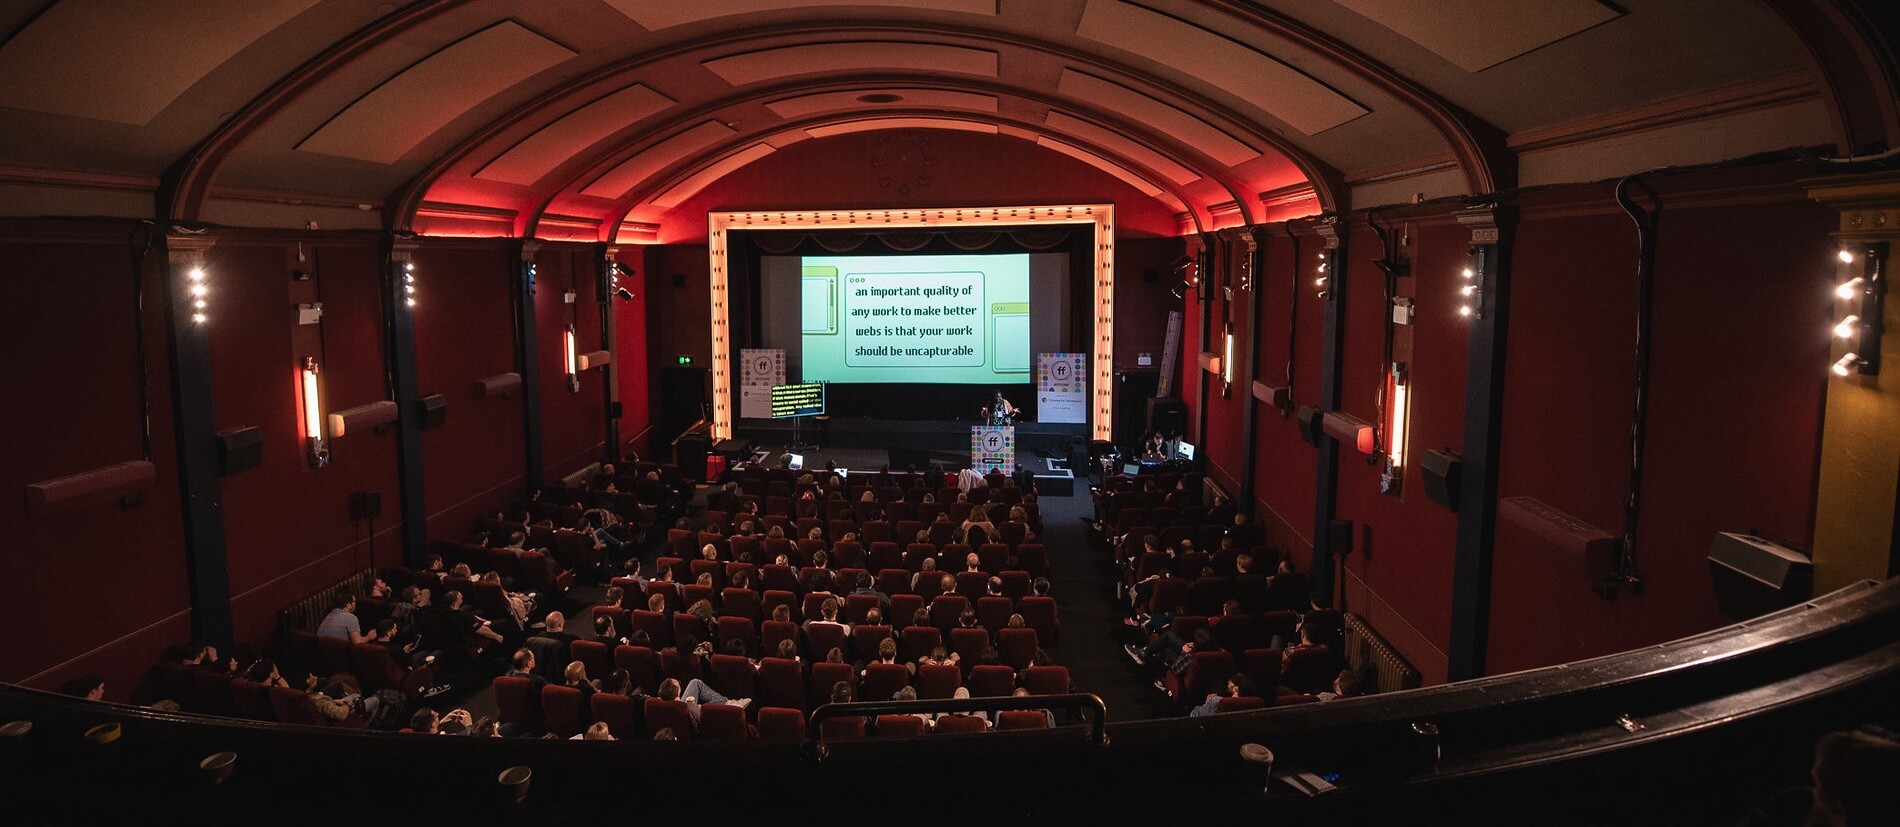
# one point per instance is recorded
(992, 611)
(1032, 557)
(777, 683)
(1017, 647)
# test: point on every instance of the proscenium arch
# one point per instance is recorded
(1102, 216)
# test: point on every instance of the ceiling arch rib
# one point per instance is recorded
(186, 187)
(1327, 181)
(1197, 208)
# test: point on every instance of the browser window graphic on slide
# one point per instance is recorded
(958, 319)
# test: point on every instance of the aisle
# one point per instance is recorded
(1091, 622)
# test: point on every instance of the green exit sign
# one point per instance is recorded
(685, 359)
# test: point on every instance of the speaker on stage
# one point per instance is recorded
(1442, 470)
(690, 452)
(1168, 416)
(682, 399)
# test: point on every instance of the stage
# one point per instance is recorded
(923, 443)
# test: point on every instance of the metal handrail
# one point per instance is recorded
(1073, 702)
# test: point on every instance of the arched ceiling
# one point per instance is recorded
(602, 115)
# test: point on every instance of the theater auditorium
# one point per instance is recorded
(990, 411)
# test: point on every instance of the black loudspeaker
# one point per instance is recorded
(733, 450)
(1308, 418)
(366, 505)
(682, 400)
(689, 453)
(435, 410)
(239, 449)
(1168, 416)
(1753, 576)
(1132, 391)
(1442, 470)
(1339, 537)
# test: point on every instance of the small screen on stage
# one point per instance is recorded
(1186, 452)
(1131, 469)
(806, 399)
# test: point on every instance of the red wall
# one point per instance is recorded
(1222, 439)
(464, 322)
(99, 590)
(630, 351)
(968, 170)
(1737, 375)
(573, 423)
(1284, 463)
(288, 530)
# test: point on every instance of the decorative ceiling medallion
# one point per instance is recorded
(903, 162)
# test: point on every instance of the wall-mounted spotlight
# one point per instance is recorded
(573, 359)
(409, 284)
(1471, 292)
(1862, 326)
(312, 413)
(1180, 289)
(200, 295)
(1321, 281)
(616, 271)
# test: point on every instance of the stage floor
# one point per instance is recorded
(925, 444)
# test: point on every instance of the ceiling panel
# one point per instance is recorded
(1067, 124)
(861, 56)
(126, 62)
(1478, 34)
(719, 169)
(946, 99)
(1254, 76)
(636, 170)
(1114, 97)
(660, 14)
(538, 154)
(428, 95)
(870, 124)
(1127, 177)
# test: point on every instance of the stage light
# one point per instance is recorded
(1845, 364)
(1180, 290)
(624, 294)
(1848, 326)
(312, 413)
(1846, 257)
(1471, 291)
(1850, 288)
(409, 284)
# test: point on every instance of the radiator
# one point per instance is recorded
(1379, 667)
(307, 613)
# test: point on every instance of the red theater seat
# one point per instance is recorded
(563, 708)
(938, 682)
(669, 715)
(961, 725)
(992, 681)
(723, 722)
(781, 684)
(1022, 719)
(619, 712)
(640, 662)
(517, 703)
(900, 726)
(781, 724)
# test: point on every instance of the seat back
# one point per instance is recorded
(781, 683)
(1046, 680)
(899, 726)
(857, 605)
(292, 706)
(824, 637)
(1263, 666)
(1022, 719)
(1039, 613)
(723, 722)
(969, 643)
(849, 728)
(374, 665)
(993, 557)
(961, 725)
(594, 656)
(562, 707)
(882, 680)
(1033, 558)
(1245, 704)
(994, 612)
(945, 610)
(824, 676)
(741, 603)
(621, 714)
(674, 715)
(334, 654)
(249, 700)
(773, 631)
(732, 676)
(517, 703)
(917, 641)
(903, 608)
(659, 630)
(1017, 647)
(1308, 670)
(938, 682)
(992, 681)
(1207, 673)
(781, 724)
(740, 629)
(893, 581)
(642, 663)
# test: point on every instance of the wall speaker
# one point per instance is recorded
(1339, 537)
(1442, 471)
(1349, 430)
(362, 418)
(1279, 396)
(501, 384)
(1753, 576)
(366, 505)
(1593, 546)
(433, 410)
(1168, 416)
(89, 488)
(1308, 418)
(595, 359)
(240, 449)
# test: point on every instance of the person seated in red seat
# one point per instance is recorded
(522, 666)
(605, 634)
(555, 626)
(828, 615)
(90, 687)
(695, 693)
(886, 654)
(865, 586)
(927, 573)
(1345, 685)
(478, 632)
(341, 622)
(1238, 686)
(576, 678)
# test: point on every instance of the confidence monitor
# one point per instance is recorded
(803, 399)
